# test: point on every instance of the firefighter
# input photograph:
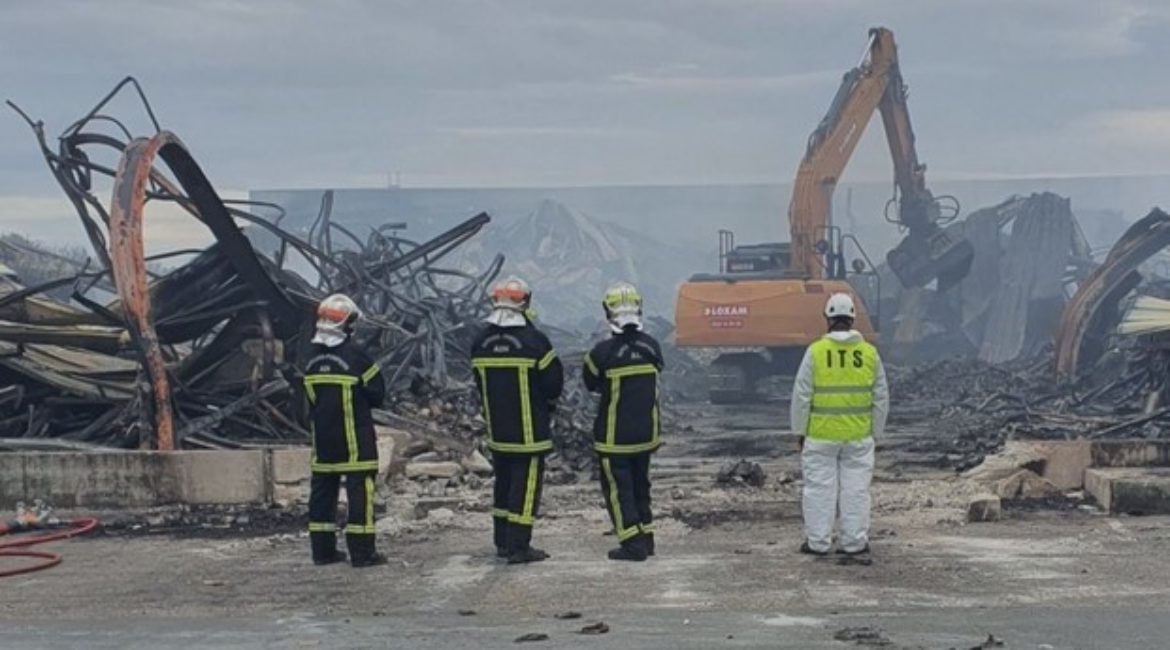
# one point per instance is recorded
(520, 379)
(342, 385)
(839, 404)
(625, 369)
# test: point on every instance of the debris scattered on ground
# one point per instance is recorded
(863, 635)
(595, 628)
(976, 406)
(532, 636)
(567, 616)
(740, 473)
(467, 612)
(991, 642)
(984, 509)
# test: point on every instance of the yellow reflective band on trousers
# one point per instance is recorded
(843, 379)
(345, 468)
(615, 505)
(319, 527)
(370, 502)
(527, 516)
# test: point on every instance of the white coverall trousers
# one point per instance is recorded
(836, 478)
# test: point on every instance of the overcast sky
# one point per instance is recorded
(284, 93)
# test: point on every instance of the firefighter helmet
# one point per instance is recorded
(336, 317)
(623, 306)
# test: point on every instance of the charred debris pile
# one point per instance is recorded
(205, 355)
(1103, 374)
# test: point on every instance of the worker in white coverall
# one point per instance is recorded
(839, 404)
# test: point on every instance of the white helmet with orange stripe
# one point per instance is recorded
(511, 298)
(336, 317)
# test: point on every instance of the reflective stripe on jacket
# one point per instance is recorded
(342, 385)
(519, 378)
(844, 374)
(625, 370)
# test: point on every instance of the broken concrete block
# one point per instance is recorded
(1024, 484)
(477, 464)
(425, 505)
(387, 447)
(1014, 456)
(427, 457)
(433, 470)
(1066, 462)
(1139, 490)
(1131, 453)
(441, 515)
(291, 465)
(391, 443)
(416, 447)
(984, 509)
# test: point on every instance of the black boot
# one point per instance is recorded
(808, 550)
(373, 559)
(526, 555)
(362, 551)
(338, 556)
(324, 547)
(648, 543)
(631, 550)
(501, 551)
(863, 551)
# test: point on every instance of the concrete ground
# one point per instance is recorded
(727, 575)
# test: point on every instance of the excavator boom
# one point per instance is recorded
(876, 84)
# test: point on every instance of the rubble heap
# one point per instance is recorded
(206, 356)
(1092, 380)
(1027, 250)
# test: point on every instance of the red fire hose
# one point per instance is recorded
(17, 547)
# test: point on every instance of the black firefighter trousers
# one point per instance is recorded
(359, 527)
(516, 499)
(625, 484)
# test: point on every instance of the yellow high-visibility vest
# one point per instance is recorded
(843, 378)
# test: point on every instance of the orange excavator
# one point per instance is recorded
(765, 305)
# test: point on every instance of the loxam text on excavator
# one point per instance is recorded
(764, 307)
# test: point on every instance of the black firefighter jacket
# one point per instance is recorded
(519, 378)
(342, 385)
(624, 369)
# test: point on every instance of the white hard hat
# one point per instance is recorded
(336, 316)
(840, 305)
(623, 306)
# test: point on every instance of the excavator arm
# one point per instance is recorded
(876, 84)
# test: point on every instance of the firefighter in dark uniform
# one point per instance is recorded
(625, 369)
(342, 385)
(519, 378)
